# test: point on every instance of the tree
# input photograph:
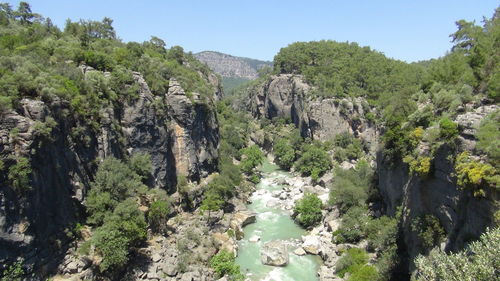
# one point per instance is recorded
(308, 210)
(158, 215)
(252, 157)
(211, 203)
(223, 263)
(479, 261)
(24, 13)
(285, 154)
(313, 162)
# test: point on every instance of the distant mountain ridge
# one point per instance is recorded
(229, 66)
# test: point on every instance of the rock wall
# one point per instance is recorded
(180, 134)
(289, 96)
(463, 216)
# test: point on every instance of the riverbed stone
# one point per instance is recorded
(311, 244)
(299, 251)
(254, 239)
(239, 220)
(274, 253)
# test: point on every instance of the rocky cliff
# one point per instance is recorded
(288, 96)
(463, 216)
(231, 66)
(179, 132)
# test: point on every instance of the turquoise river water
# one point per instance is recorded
(273, 223)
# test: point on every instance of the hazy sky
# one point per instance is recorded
(409, 30)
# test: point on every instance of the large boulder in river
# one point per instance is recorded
(239, 220)
(274, 253)
(311, 244)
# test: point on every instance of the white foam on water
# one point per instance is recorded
(268, 216)
(277, 274)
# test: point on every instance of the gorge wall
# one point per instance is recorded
(463, 216)
(180, 133)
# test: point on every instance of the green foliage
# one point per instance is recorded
(113, 247)
(353, 226)
(351, 261)
(420, 166)
(475, 175)
(308, 210)
(448, 129)
(114, 182)
(351, 187)
(13, 272)
(478, 262)
(313, 162)
(339, 69)
(223, 263)
(158, 215)
(252, 156)
(429, 230)
(19, 175)
(285, 154)
(141, 164)
(44, 129)
(489, 137)
(364, 273)
(347, 147)
(5, 104)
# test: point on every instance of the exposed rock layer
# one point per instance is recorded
(180, 134)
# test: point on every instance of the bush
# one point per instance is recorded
(223, 263)
(475, 175)
(351, 187)
(429, 230)
(308, 210)
(140, 163)
(488, 136)
(313, 162)
(13, 272)
(354, 225)
(448, 129)
(363, 273)
(112, 246)
(478, 262)
(252, 157)
(420, 166)
(158, 215)
(350, 261)
(285, 154)
(19, 174)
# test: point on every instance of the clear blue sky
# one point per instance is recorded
(409, 30)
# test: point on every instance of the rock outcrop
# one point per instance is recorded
(180, 134)
(288, 96)
(274, 253)
(462, 215)
(231, 66)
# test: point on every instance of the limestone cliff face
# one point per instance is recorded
(463, 216)
(180, 134)
(231, 66)
(288, 96)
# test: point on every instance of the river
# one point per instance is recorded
(273, 223)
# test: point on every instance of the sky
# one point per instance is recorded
(409, 30)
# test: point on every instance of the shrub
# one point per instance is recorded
(478, 262)
(158, 215)
(5, 104)
(13, 272)
(354, 225)
(112, 246)
(429, 230)
(19, 174)
(448, 129)
(313, 162)
(488, 136)
(223, 263)
(350, 261)
(308, 210)
(140, 163)
(351, 187)
(474, 175)
(252, 157)
(420, 166)
(285, 154)
(363, 273)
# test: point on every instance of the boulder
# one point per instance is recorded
(254, 239)
(333, 225)
(299, 251)
(222, 241)
(274, 253)
(239, 220)
(311, 244)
